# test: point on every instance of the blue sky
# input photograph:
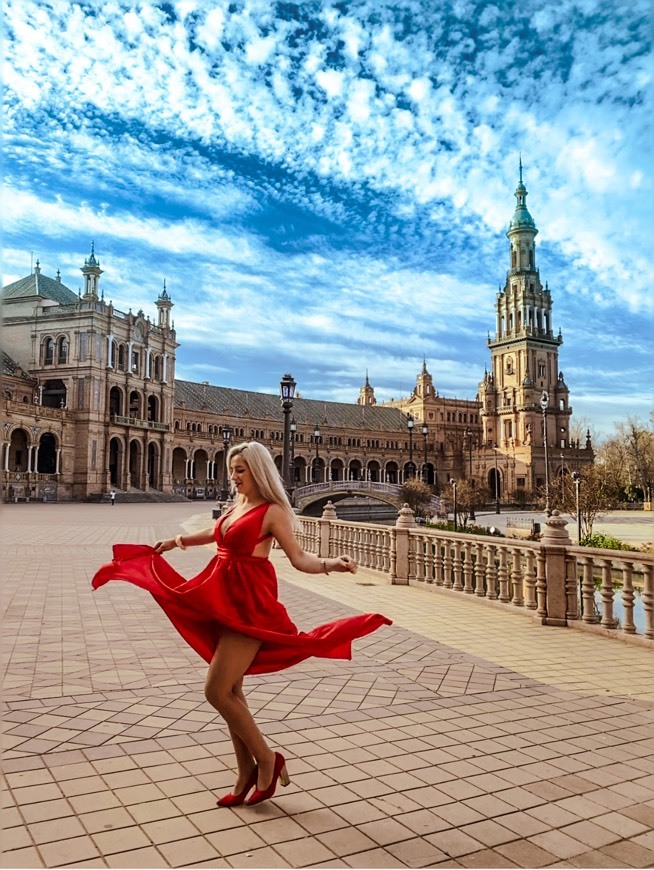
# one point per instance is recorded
(326, 187)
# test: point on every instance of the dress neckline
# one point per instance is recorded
(223, 531)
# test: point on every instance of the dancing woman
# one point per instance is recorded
(230, 613)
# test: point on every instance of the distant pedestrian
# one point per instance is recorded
(112, 496)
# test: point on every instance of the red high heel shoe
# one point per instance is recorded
(279, 773)
(236, 800)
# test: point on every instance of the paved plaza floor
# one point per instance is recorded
(464, 735)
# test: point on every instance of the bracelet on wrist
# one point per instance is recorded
(179, 543)
(323, 562)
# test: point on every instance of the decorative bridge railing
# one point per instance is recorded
(561, 584)
(389, 492)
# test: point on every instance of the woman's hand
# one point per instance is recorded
(342, 564)
(164, 546)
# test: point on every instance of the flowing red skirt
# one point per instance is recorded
(236, 592)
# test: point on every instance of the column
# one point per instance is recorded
(148, 363)
(110, 360)
(7, 446)
(58, 460)
(164, 366)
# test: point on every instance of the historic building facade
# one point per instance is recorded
(91, 403)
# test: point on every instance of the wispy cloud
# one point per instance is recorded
(303, 172)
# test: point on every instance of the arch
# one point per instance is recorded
(495, 483)
(428, 474)
(135, 404)
(354, 470)
(391, 472)
(408, 470)
(46, 456)
(200, 466)
(48, 351)
(53, 394)
(179, 465)
(153, 409)
(317, 469)
(336, 469)
(153, 464)
(116, 401)
(116, 462)
(136, 464)
(299, 469)
(373, 471)
(18, 450)
(62, 350)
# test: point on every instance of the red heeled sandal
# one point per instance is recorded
(236, 800)
(279, 773)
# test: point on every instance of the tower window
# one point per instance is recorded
(541, 370)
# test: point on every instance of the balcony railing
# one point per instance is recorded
(140, 424)
(559, 583)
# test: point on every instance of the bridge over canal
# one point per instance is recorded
(316, 495)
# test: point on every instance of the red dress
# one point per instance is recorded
(238, 591)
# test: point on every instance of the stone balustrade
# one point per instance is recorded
(559, 583)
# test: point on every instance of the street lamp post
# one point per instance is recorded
(577, 479)
(544, 402)
(425, 432)
(316, 438)
(287, 393)
(468, 433)
(227, 436)
(497, 485)
(291, 470)
(410, 424)
(456, 507)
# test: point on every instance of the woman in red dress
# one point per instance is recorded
(230, 613)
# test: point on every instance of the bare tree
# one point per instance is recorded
(628, 457)
(417, 495)
(597, 494)
(467, 496)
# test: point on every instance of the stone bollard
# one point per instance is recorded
(324, 523)
(554, 541)
(400, 571)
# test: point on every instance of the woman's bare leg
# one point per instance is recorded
(223, 690)
(244, 758)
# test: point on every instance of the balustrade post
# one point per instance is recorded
(554, 543)
(325, 527)
(648, 599)
(405, 521)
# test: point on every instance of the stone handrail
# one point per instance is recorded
(552, 578)
(140, 424)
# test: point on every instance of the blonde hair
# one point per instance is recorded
(265, 475)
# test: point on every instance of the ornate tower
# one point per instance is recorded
(524, 357)
(367, 394)
(425, 383)
(91, 271)
(164, 304)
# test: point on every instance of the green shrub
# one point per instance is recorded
(604, 542)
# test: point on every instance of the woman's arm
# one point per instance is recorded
(279, 526)
(206, 536)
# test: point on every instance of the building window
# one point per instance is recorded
(62, 350)
(48, 353)
(520, 482)
(541, 369)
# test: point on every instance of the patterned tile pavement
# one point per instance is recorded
(462, 736)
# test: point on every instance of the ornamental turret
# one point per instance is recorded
(91, 271)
